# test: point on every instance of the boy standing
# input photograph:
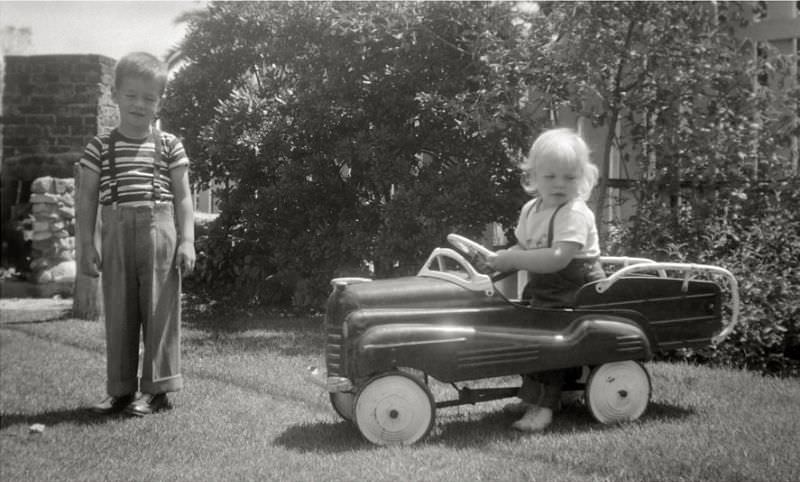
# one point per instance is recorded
(140, 177)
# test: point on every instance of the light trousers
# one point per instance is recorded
(141, 294)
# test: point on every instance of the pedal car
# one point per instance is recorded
(386, 338)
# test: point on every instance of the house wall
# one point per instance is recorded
(52, 106)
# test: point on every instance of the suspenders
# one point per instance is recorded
(112, 165)
(157, 165)
(551, 224)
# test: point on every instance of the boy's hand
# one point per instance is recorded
(481, 263)
(185, 257)
(90, 262)
(499, 262)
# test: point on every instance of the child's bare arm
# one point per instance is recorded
(486, 264)
(184, 213)
(88, 186)
(544, 260)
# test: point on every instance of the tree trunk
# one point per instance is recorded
(602, 183)
(87, 299)
(613, 107)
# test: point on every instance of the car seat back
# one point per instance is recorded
(680, 314)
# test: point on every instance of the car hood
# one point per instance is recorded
(407, 292)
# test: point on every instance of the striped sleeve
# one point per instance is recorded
(92, 155)
(175, 153)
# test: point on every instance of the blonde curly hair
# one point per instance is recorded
(566, 146)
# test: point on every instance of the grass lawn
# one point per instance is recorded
(247, 414)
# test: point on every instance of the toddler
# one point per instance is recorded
(557, 244)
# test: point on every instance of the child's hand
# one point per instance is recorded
(499, 262)
(481, 263)
(90, 262)
(185, 257)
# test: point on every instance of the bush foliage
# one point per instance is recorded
(350, 138)
(755, 234)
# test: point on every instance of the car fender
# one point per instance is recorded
(426, 347)
(597, 339)
(451, 352)
(586, 341)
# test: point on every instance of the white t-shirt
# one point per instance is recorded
(574, 222)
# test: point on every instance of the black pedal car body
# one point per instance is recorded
(385, 338)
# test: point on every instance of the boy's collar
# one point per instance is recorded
(150, 133)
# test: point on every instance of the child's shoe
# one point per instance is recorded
(149, 403)
(517, 408)
(535, 419)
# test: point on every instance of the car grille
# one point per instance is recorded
(334, 350)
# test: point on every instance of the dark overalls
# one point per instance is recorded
(554, 290)
(141, 288)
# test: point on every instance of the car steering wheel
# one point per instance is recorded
(473, 250)
(470, 248)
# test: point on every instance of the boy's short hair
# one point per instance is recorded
(141, 65)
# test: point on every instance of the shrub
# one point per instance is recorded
(756, 236)
(230, 268)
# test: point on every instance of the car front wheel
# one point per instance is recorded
(394, 409)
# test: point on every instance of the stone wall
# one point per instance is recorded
(53, 233)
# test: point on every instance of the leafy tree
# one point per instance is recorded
(711, 149)
(348, 132)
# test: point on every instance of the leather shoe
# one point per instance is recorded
(149, 403)
(112, 404)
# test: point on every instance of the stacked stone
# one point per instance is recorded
(53, 207)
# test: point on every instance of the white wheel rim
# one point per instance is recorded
(618, 392)
(343, 404)
(394, 409)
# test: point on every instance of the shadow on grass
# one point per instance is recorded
(229, 318)
(479, 430)
(345, 437)
(663, 411)
(323, 437)
(233, 322)
(26, 317)
(302, 336)
(76, 416)
(572, 419)
(285, 343)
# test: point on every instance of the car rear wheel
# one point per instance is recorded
(618, 391)
(343, 404)
(394, 409)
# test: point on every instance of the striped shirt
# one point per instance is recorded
(134, 159)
